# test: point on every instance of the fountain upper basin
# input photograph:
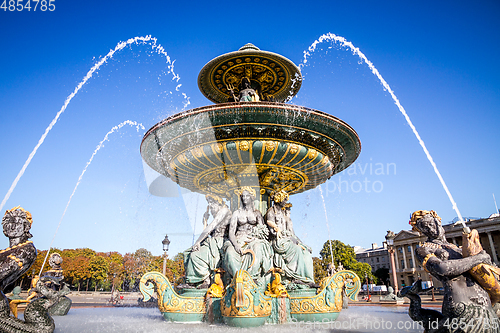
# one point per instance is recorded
(269, 146)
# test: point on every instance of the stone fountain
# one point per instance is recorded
(253, 151)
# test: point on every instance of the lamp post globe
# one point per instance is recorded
(390, 248)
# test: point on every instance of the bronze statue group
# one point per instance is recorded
(48, 292)
(244, 239)
(469, 279)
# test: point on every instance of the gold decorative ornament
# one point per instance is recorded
(16, 246)
(424, 262)
(312, 154)
(488, 276)
(218, 147)
(19, 262)
(10, 212)
(415, 216)
(253, 302)
(174, 303)
(197, 152)
(280, 196)
(275, 288)
(269, 74)
(217, 288)
(244, 145)
(329, 296)
(270, 145)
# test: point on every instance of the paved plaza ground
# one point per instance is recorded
(130, 299)
(93, 312)
(89, 299)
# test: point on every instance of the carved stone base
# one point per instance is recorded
(244, 304)
(326, 304)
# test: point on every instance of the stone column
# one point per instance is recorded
(396, 257)
(393, 268)
(404, 256)
(492, 246)
(413, 257)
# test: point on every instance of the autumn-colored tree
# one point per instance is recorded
(35, 268)
(76, 265)
(84, 267)
(116, 273)
(137, 264)
(175, 268)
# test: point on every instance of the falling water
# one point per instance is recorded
(355, 50)
(495, 200)
(326, 217)
(147, 39)
(99, 146)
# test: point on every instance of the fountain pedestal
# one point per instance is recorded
(245, 304)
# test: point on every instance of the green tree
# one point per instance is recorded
(341, 254)
(345, 255)
(364, 270)
(382, 274)
(319, 270)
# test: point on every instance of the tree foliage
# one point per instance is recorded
(319, 269)
(344, 254)
(85, 269)
(383, 275)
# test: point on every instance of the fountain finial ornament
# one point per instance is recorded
(271, 76)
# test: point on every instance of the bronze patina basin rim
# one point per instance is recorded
(268, 146)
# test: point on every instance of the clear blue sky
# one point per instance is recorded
(440, 58)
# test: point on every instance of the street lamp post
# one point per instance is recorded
(432, 291)
(165, 243)
(367, 288)
(390, 248)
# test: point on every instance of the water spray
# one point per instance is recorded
(343, 42)
(99, 146)
(496, 207)
(146, 39)
(327, 224)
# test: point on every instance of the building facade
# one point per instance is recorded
(376, 257)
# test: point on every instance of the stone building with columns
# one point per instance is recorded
(377, 257)
(409, 269)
